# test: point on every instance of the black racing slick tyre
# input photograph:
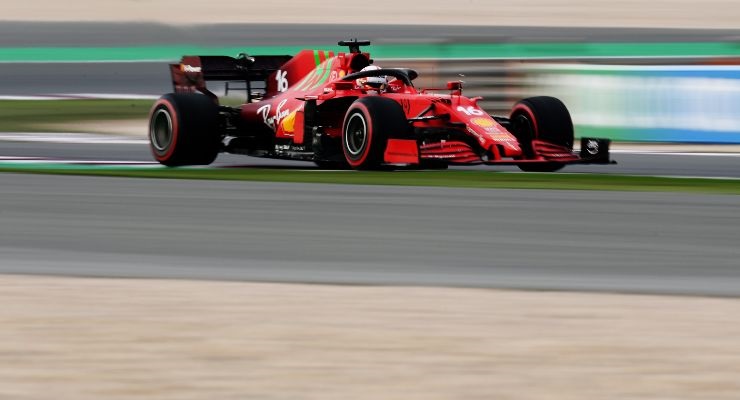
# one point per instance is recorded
(368, 124)
(542, 118)
(183, 130)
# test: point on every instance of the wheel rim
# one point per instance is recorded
(355, 138)
(160, 130)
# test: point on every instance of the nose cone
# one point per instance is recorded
(491, 134)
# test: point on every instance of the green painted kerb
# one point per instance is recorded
(382, 51)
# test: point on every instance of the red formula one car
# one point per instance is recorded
(340, 111)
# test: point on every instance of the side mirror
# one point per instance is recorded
(343, 85)
(244, 61)
(454, 85)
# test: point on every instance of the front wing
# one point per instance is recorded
(592, 151)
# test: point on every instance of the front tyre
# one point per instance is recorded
(368, 124)
(542, 118)
(183, 130)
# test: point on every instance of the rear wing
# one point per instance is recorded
(191, 74)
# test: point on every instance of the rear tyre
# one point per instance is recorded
(183, 130)
(368, 124)
(543, 118)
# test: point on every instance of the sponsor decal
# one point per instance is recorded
(273, 120)
(284, 148)
(592, 147)
(502, 137)
(480, 138)
(288, 123)
(190, 68)
(483, 122)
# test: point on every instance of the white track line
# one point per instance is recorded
(115, 96)
(725, 178)
(80, 96)
(76, 138)
(37, 160)
(95, 138)
(15, 158)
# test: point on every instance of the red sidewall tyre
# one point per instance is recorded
(358, 113)
(548, 119)
(184, 130)
(542, 118)
(162, 152)
(368, 124)
(521, 108)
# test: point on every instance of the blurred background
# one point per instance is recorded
(658, 72)
(382, 317)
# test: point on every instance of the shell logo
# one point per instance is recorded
(288, 123)
(483, 122)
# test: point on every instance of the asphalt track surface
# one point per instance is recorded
(531, 239)
(550, 240)
(528, 239)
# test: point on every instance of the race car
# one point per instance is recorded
(341, 111)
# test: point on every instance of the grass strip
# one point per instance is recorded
(35, 115)
(459, 179)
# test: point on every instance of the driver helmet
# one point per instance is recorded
(372, 82)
